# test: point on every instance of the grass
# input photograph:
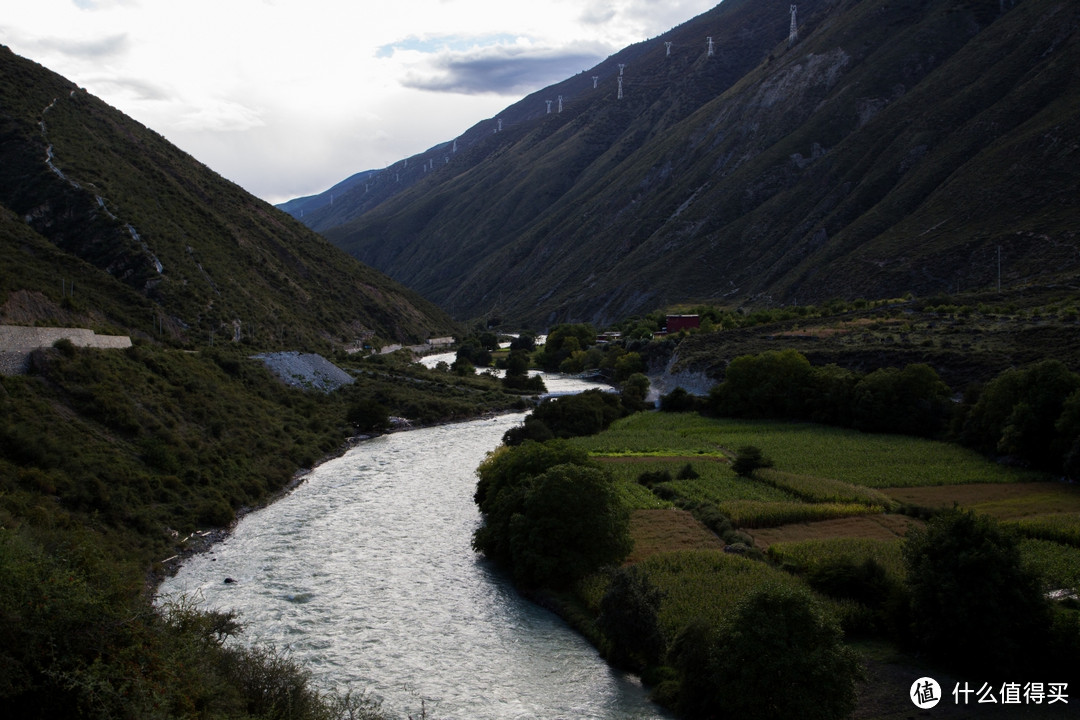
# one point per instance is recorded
(820, 489)
(704, 584)
(871, 461)
(1058, 564)
(756, 514)
(1063, 528)
(804, 555)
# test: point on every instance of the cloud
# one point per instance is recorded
(96, 49)
(444, 43)
(135, 88)
(220, 116)
(501, 69)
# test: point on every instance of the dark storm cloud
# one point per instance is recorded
(502, 69)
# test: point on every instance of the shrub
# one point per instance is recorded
(973, 603)
(572, 523)
(651, 478)
(629, 618)
(749, 459)
(367, 415)
(678, 400)
(778, 656)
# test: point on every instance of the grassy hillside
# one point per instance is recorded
(207, 259)
(896, 147)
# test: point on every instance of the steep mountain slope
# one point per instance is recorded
(156, 243)
(895, 146)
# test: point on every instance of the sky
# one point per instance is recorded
(288, 97)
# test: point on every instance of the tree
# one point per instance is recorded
(774, 384)
(1018, 413)
(572, 523)
(505, 480)
(778, 656)
(678, 400)
(634, 392)
(973, 603)
(749, 459)
(630, 618)
(368, 414)
(912, 401)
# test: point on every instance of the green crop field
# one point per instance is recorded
(873, 461)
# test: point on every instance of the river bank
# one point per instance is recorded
(366, 572)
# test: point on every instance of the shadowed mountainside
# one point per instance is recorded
(155, 242)
(895, 147)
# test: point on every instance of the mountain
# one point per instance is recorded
(298, 207)
(103, 223)
(894, 146)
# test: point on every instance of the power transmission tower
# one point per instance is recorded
(710, 46)
(620, 87)
(793, 34)
(549, 106)
(595, 78)
(560, 103)
(621, 66)
(668, 46)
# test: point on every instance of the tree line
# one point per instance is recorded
(1029, 415)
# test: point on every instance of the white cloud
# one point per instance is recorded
(276, 94)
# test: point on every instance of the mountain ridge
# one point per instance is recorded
(894, 148)
(192, 255)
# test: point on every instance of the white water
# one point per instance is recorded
(366, 574)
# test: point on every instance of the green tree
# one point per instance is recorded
(563, 341)
(973, 603)
(749, 459)
(912, 401)
(634, 391)
(368, 414)
(505, 480)
(773, 384)
(779, 655)
(572, 523)
(1018, 412)
(627, 365)
(630, 619)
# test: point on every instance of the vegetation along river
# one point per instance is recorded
(366, 573)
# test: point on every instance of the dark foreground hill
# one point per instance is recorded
(895, 146)
(156, 243)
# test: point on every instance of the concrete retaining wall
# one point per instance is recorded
(18, 341)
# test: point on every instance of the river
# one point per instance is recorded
(366, 574)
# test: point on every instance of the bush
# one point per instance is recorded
(629, 619)
(368, 415)
(973, 603)
(572, 523)
(678, 400)
(778, 656)
(749, 459)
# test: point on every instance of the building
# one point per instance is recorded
(678, 323)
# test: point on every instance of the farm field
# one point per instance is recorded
(834, 500)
